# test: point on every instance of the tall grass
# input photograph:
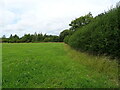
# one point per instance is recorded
(97, 64)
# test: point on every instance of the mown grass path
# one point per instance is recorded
(46, 65)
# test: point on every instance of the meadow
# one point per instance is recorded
(55, 65)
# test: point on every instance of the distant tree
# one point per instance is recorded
(47, 39)
(55, 39)
(40, 37)
(35, 37)
(11, 36)
(26, 38)
(45, 36)
(13, 39)
(3, 36)
(15, 36)
(4, 39)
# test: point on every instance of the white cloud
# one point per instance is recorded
(6, 17)
(46, 16)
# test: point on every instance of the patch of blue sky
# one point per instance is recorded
(15, 20)
(16, 10)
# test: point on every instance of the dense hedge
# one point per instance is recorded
(101, 36)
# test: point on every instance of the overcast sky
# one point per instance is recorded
(46, 16)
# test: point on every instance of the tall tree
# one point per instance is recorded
(81, 21)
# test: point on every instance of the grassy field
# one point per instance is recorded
(55, 65)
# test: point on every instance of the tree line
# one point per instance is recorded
(30, 38)
(36, 37)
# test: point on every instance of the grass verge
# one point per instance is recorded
(98, 65)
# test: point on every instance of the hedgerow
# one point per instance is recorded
(101, 36)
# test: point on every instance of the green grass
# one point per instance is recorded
(54, 65)
(0, 65)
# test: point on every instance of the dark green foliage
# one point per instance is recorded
(81, 21)
(11, 39)
(100, 36)
(30, 38)
(66, 39)
(64, 33)
(50, 38)
(4, 39)
(40, 37)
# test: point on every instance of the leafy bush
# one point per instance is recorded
(66, 39)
